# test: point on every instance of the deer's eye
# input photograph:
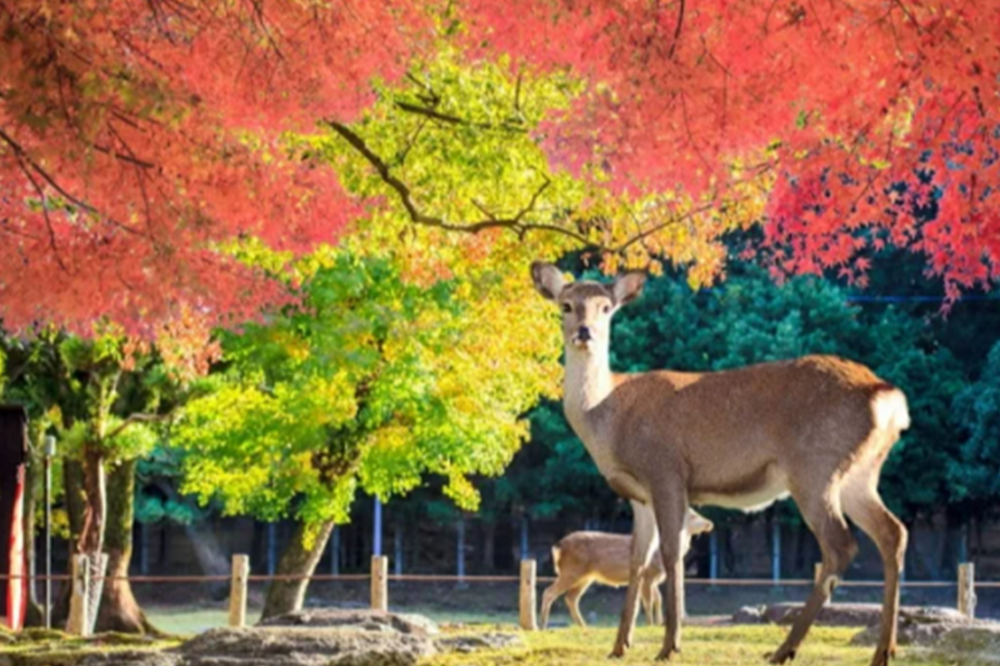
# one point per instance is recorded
(606, 309)
(567, 308)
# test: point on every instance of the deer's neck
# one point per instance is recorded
(587, 385)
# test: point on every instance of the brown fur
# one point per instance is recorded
(818, 428)
(583, 558)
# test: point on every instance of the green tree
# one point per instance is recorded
(100, 397)
(373, 382)
(975, 475)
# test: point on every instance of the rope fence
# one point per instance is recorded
(84, 583)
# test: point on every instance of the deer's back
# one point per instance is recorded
(743, 430)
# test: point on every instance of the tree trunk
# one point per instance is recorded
(119, 610)
(91, 540)
(75, 501)
(285, 596)
(34, 616)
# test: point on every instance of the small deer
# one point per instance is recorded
(818, 428)
(583, 558)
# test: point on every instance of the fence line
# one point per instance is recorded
(451, 578)
(446, 578)
(86, 603)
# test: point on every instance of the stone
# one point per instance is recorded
(842, 614)
(307, 646)
(367, 620)
(493, 640)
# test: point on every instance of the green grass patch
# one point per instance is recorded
(702, 646)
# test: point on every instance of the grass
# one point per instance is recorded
(702, 646)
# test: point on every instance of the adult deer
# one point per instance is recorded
(583, 558)
(818, 428)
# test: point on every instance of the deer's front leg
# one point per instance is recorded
(670, 506)
(644, 542)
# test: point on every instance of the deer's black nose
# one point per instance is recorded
(583, 334)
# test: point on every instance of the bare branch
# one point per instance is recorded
(677, 31)
(515, 223)
(137, 418)
(455, 120)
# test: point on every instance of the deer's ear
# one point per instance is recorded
(628, 287)
(548, 280)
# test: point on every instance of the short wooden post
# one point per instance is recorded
(78, 622)
(967, 589)
(238, 591)
(527, 600)
(380, 582)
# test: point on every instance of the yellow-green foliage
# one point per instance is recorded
(702, 646)
(372, 380)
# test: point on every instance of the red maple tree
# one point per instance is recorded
(867, 122)
(136, 137)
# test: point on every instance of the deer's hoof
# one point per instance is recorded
(667, 654)
(882, 656)
(781, 655)
(618, 651)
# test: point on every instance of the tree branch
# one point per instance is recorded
(455, 120)
(137, 418)
(515, 223)
(677, 31)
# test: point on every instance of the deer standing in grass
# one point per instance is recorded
(817, 428)
(583, 558)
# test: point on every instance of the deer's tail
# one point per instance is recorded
(556, 554)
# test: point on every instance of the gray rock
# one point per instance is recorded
(132, 658)
(352, 645)
(843, 614)
(962, 641)
(489, 641)
(365, 620)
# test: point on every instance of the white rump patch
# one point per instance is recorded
(890, 411)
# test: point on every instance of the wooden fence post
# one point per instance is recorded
(527, 597)
(238, 591)
(380, 583)
(967, 589)
(78, 623)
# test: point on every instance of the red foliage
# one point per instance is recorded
(871, 107)
(137, 135)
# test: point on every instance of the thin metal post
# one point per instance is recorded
(713, 555)
(272, 548)
(460, 551)
(48, 453)
(776, 551)
(524, 536)
(377, 529)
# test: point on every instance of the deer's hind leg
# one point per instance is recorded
(822, 512)
(561, 585)
(864, 506)
(573, 602)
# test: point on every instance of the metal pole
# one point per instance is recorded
(272, 548)
(48, 454)
(377, 529)
(713, 555)
(524, 536)
(775, 551)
